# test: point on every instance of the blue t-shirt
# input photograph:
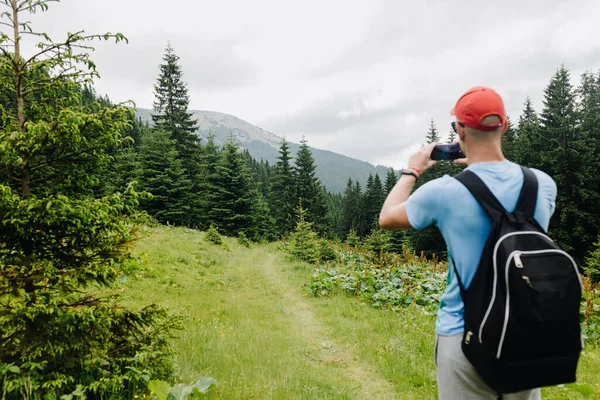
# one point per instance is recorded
(447, 204)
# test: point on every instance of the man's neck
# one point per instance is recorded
(485, 155)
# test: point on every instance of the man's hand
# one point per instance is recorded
(393, 213)
(421, 160)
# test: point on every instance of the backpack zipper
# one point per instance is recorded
(489, 310)
(517, 256)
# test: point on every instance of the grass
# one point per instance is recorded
(251, 324)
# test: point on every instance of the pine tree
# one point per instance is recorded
(451, 137)
(334, 215)
(161, 173)
(529, 128)
(234, 198)
(566, 156)
(529, 115)
(308, 189)
(282, 192)
(63, 330)
(589, 117)
(390, 181)
(208, 179)
(372, 202)
(171, 110)
(366, 217)
(122, 170)
(509, 141)
(351, 209)
(432, 136)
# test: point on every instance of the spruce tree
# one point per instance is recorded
(234, 199)
(509, 141)
(348, 209)
(161, 174)
(433, 135)
(390, 181)
(334, 215)
(367, 217)
(526, 151)
(351, 219)
(64, 332)
(566, 156)
(122, 170)
(308, 189)
(282, 192)
(372, 202)
(451, 137)
(208, 181)
(171, 110)
(589, 117)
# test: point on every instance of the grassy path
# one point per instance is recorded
(252, 326)
(313, 332)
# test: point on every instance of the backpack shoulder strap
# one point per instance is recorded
(482, 194)
(528, 197)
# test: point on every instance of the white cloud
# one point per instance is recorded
(358, 77)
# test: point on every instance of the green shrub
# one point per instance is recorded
(213, 235)
(326, 251)
(304, 243)
(377, 241)
(243, 239)
(352, 239)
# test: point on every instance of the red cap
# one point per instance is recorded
(478, 103)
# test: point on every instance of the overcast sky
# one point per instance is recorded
(361, 78)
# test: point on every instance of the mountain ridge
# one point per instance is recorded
(333, 169)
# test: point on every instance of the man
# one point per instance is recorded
(446, 203)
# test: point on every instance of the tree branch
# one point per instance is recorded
(50, 80)
(30, 7)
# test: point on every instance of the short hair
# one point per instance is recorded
(486, 135)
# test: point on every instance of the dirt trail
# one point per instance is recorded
(302, 316)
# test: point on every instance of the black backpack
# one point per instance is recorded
(522, 309)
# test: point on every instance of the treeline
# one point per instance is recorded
(198, 184)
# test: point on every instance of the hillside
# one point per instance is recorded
(332, 169)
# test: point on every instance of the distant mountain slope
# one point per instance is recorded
(332, 169)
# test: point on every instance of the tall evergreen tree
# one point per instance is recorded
(282, 193)
(372, 202)
(566, 156)
(171, 110)
(352, 209)
(309, 192)
(208, 181)
(390, 181)
(433, 135)
(529, 128)
(234, 198)
(509, 141)
(63, 331)
(589, 119)
(161, 173)
(366, 217)
(451, 136)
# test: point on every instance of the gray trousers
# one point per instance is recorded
(458, 380)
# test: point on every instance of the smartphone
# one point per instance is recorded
(447, 152)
